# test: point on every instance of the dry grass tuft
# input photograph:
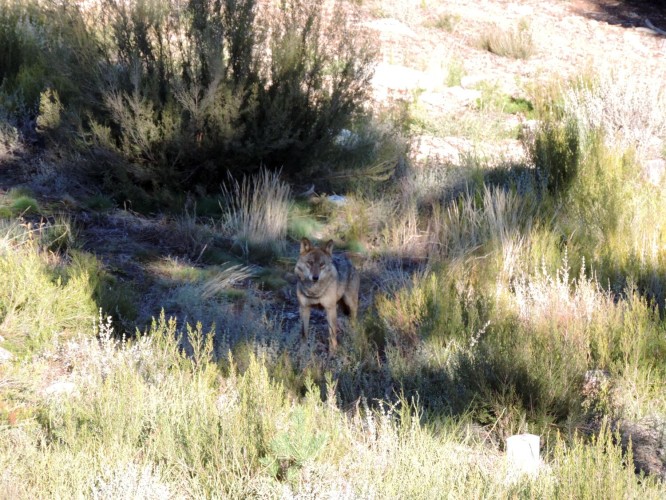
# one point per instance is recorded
(257, 211)
(514, 43)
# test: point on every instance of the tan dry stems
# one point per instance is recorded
(500, 224)
(578, 309)
(516, 43)
(225, 280)
(10, 140)
(257, 211)
(190, 235)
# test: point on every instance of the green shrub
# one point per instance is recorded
(50, 109)
(22, 65)
(556, 153)
(39, 303)
(189, 92)
(24, 205)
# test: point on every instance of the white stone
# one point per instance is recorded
(60, 388)
(5, 355)
(654, 170)
(337, 199)
(394, 76)
(389, 26)
(522, 451)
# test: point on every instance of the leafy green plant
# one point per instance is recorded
(291, 449)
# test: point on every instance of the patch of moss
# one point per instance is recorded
(99, 203)
(271, 279)
(24, 205)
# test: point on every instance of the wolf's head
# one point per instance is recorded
(315, 263)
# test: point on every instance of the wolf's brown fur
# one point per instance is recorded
(325, 280)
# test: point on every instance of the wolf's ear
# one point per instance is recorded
(306, 246)
(329, 247)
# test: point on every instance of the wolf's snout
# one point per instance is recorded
(315, 277)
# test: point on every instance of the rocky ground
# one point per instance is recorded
(419, 46)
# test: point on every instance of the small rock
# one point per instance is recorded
(654, 170)
(522, 452)
(5, 355)
(60, 388)
(336, 199)
(393, 76)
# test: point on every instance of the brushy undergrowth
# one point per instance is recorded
(146, 421)
(473, 326)
(42, 300)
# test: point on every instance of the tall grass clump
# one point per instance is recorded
(517, 356)
(149, 422)
(515, 43)
(257, 212)
(613, 213)
(490, 221)
(153, 420)
(600, 205)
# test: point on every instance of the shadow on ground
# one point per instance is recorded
(626, 13)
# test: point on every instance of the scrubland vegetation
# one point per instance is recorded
(496, 298)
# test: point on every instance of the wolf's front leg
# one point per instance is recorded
(305, 320)
(332, 317)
